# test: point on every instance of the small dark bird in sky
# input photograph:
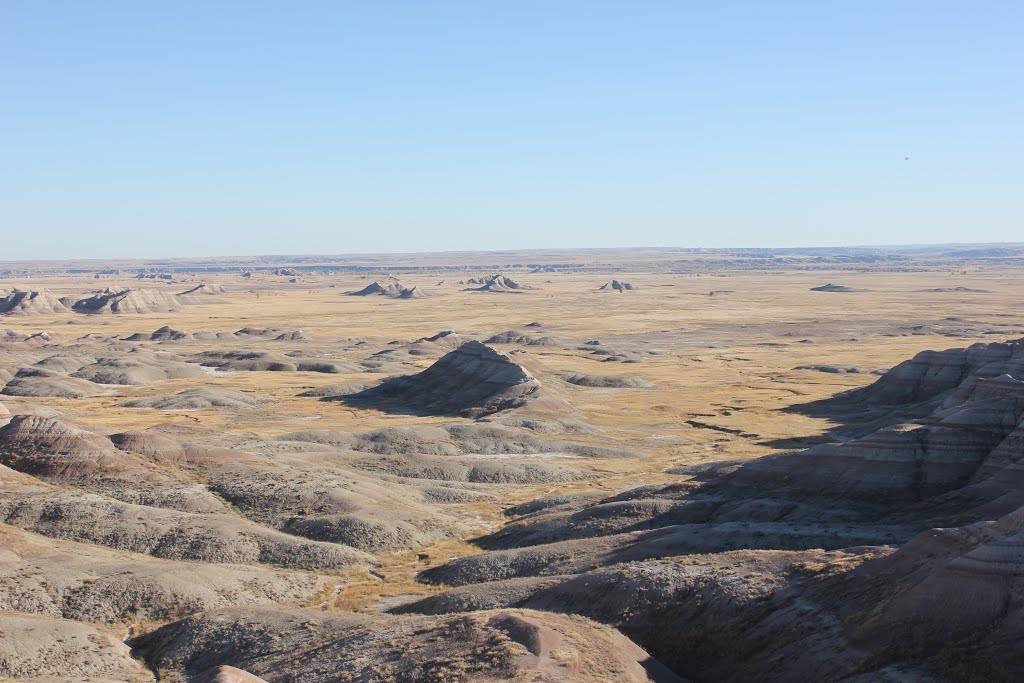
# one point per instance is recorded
(906, 158)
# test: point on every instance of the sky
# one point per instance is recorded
(192, 128)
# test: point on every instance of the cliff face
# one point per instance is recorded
(929, 375)
(21, 302)
(970, 408)
(128, 301)
(723, 577)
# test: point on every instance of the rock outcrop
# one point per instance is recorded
(607, 381)
(510, 645)
(473, 380)
(391, 289)
(497, 283)
(40, 382)
(20, 302)
(35, 648)
(513, 337)
(60, 578)
(202, 399)
(137, 369)
(616, 286)
(412, 293)
(226, 674)
(204, 289)
(722, 577)
(127, 302)
(835, 288)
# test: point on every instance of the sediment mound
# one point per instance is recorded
(835, 288)
(65, 363)
(616, 286)
(168, 333)
(87, 461)
(275, 333)
(59, 578)
(170, 534)
(456, 439)
(204, 290)
(10, 337)
(39, 382)
(51, 449)
(446, 340)
(263, 361)
(202, 399)
(20, 302)
(128, 302)
(926, 379)
(412, 293)
(28, 439)
(137, 369)
(226, 674)
(314, 646)
(474, 380)
(334, 391)
(392, 289)
(49, 650)
(497, 283)
(959, 290)
(607, 381)
(722, 576)
(831, 369)
(513, 337)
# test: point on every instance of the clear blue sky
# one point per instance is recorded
(187, 127)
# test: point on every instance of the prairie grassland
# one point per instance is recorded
(721, 351)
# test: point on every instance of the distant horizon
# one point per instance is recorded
(523, 251)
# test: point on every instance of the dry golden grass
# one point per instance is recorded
(725, 360)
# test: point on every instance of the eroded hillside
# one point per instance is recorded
(716, 477)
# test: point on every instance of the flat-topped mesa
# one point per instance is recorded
(128, 301)
(20, 302)
(474, 380)
(616, 286)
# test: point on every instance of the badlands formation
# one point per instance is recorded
(278, 470)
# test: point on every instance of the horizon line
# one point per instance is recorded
(525, 250)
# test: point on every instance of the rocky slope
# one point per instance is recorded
(616, 286)
(127, 301)
(498, 283)
(722, 577)
(25, 303)
(474, 380)
(318, 647)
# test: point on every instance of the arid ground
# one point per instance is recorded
(655, 482)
